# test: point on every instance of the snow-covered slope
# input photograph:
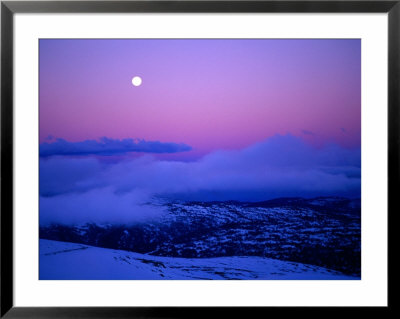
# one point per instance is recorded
(323, 231)
(62, 260)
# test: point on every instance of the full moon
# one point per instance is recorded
(136, 81)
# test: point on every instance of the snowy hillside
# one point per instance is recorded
(61, 260)
(324, 232)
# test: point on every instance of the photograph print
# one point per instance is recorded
(194, 159)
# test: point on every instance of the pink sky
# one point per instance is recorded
(209, 94)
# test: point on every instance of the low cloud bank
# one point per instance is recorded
(77, 189)
(98, 205)
(108, 146)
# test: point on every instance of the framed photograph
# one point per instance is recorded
(175, 158)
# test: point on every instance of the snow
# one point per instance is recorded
(71, 261)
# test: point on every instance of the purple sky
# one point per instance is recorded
(207, 94)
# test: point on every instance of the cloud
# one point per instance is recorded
(62, 175)
(50, 138)
(306, 132)
(97, 205)
(108, 146)
(280, 166)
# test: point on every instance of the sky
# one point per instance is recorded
(247, 120)
(208, 94)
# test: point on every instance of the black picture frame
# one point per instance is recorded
(9, 8)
